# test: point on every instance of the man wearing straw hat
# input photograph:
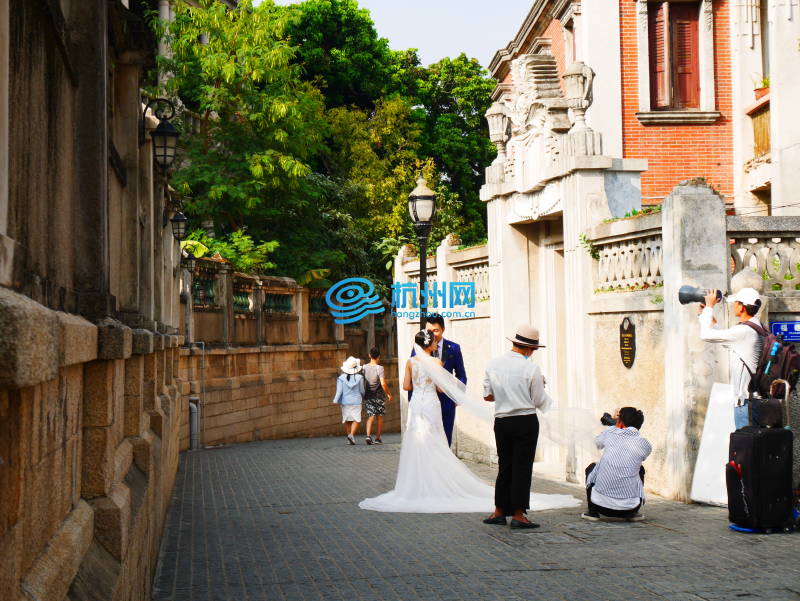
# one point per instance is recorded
(516, 387)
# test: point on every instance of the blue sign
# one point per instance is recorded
(789, 330)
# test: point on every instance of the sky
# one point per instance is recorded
(440, 28)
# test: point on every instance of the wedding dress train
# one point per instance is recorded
(430, 478)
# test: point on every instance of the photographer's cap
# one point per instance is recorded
(746, 296)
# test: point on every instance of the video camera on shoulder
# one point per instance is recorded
(691, 294)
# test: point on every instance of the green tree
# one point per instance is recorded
(262, 125)
(453, 96)
(340, 51)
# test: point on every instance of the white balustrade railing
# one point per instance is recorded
(770, 246)
(477, 273)
(628, 253)
(630, 264)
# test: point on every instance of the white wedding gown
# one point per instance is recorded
(430, 478)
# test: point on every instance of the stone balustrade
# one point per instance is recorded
(629, 255)
(770, 246)
(477, 271)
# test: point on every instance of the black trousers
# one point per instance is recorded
(516, 438)
(611, 513)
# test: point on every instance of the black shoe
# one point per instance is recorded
(500, 519)
(377, 441)
(517, 525)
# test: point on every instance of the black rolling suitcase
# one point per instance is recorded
(759, 478)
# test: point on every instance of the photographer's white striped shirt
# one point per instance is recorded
(616, 475)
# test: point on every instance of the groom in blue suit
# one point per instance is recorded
(453, 362)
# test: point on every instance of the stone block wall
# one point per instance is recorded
(268, 392)
(88, 453)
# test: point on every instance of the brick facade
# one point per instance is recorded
(678, 152)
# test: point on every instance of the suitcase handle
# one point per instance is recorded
(785, 400)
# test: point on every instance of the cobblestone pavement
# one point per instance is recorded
(279, 520)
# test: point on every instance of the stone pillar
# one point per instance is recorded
(90, 238)
(6, 243)
(148, 226)
(225, 292)
(188, 312)
(302, 311)
(601, 47)
(126, 140)
(784, 20)
(370, 332)
(695, 252)
(258, 309)
(509, 303)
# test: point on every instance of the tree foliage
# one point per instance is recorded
(340, 51)
(314, 133)
(261, 124)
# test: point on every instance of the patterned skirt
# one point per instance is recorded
(375, 406)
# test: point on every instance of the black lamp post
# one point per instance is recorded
(178, 222)
(421, 207)
(165, 136)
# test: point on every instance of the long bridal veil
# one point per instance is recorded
(430, 478)
(568, 427)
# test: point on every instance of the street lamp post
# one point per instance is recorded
(165, 136)
(421, 207)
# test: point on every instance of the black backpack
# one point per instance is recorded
(779, 360)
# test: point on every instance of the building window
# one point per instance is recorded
(676, 62)
(674, 59)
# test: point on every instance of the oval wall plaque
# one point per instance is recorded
(627, 342)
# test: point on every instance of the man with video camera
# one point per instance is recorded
(743, 343)
(615, 484)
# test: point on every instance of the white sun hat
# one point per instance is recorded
(351, 365)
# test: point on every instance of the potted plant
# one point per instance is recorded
(762, 88)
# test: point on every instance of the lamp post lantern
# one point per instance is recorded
(178, 222)
(422, 207)
(189, 261)
(165, 136)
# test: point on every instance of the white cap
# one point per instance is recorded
(746, 296)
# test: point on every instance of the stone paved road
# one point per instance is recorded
(279, 520)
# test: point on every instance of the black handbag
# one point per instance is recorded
(769, 412)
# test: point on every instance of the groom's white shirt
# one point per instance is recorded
(517, 385)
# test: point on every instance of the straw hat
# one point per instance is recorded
(351, 365)
(527, 337)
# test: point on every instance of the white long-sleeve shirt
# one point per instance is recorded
(743, 344)
(517, 385)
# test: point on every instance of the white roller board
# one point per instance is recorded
(708, 482)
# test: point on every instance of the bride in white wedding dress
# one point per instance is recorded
(430, 478)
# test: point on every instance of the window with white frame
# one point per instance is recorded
(676, 62)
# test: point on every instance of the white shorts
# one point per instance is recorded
(351, 413)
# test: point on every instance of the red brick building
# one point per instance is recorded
(662, 90)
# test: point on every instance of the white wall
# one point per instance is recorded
(597, 44)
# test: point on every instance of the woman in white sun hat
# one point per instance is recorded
(349, 394)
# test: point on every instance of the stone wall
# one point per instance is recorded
(89, 448)
(269, 392)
